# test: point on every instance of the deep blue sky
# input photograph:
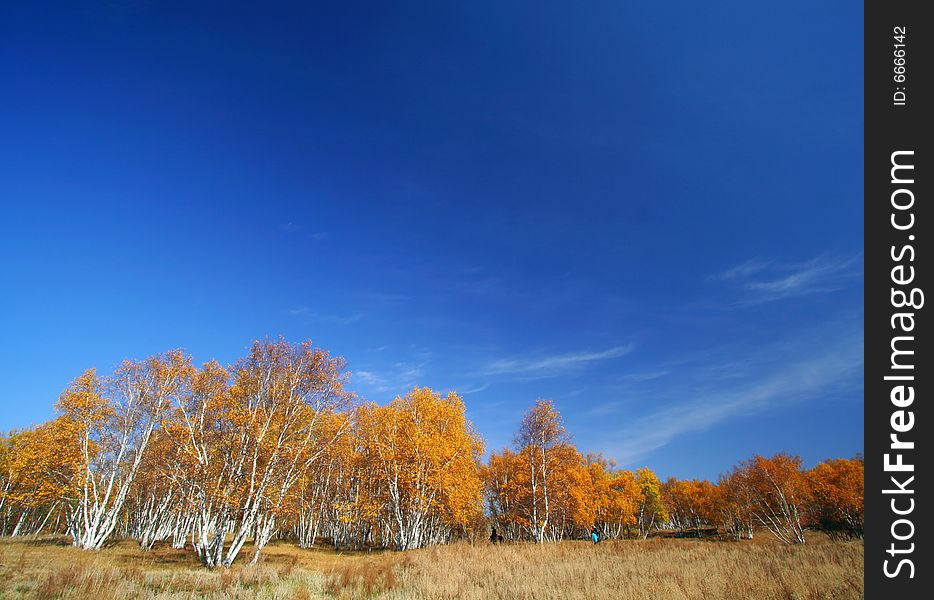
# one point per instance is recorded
(649, 212)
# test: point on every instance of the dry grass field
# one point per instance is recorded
(652, 569)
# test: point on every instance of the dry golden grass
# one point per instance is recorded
(51, 568)
(626, 570)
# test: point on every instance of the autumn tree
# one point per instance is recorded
(313, 505)
(249, 434)
(504, 490)
(572, 503)
(540, 433)
(652, 509)
(735, 505)
(39, 469)
(837, 494)
(691, 503)
(156, 506)
(425, 454)
(114, 420)
(10, 477)
(776, 492)
(623, 499)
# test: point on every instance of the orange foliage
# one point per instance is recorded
(837, 492)
(275, 445)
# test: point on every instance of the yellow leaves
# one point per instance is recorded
(44, 463)
(692, 503)
(548, 483)
(425, 443)
(541, 426)
(83, 400)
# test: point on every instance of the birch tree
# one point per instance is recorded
(837, 497)
(115, 419)
(540, 432)
(251, 433)
(426, 454)
(777, 490)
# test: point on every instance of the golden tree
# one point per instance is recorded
(424, 453)
(115, 419)
(249, 435)
(837, 492)
(540, 433)
(776, 492)
(652, 508)
(691, 504)
(40, 468)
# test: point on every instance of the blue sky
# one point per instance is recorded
(651, 214)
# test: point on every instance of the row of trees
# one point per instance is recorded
(212, 458)
(544, 489)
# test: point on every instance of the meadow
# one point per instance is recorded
(49, 567)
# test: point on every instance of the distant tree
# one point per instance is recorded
(734, 505)
(691, 503)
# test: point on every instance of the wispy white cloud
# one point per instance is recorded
(809, 375)
(813, 274)
(767, 281)
(744, 270)
(398, 379)
(552, 366)
(472, 390)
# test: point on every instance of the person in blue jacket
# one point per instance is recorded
(595, 535)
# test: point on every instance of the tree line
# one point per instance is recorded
(275, 446)
(545, 489)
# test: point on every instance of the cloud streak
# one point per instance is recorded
(743, 270)
(401, 378)
(765, 281)
(472, 390)
(552, 366)
(811, 374)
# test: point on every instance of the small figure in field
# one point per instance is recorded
(595, 534)
(495, 538)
